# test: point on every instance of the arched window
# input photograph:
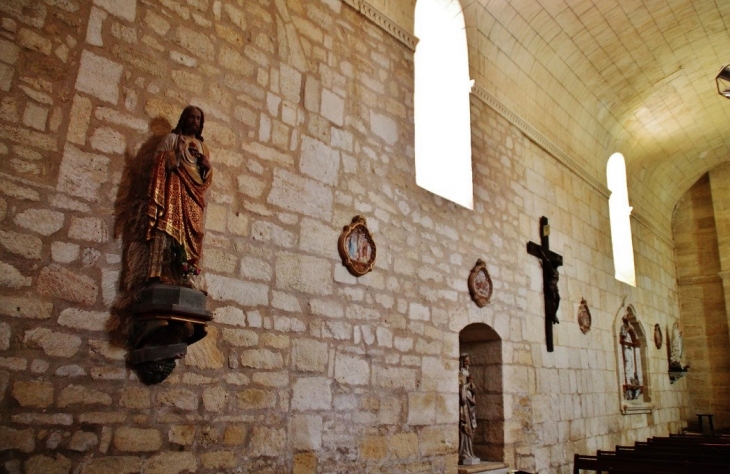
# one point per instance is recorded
(441, 102)
(619, 212)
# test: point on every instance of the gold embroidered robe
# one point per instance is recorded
(176, 200)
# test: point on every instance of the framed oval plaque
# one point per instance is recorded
(480, 284)
(584, 317)
(658, 336)
(356, 247)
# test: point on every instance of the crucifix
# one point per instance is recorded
(550, 262)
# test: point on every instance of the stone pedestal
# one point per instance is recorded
(485, 466)
(167, 319)
(179, 302)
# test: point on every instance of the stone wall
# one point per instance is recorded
(703, 302)
(306, 368)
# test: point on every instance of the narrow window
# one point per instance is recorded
(441, 102)
(619, 212)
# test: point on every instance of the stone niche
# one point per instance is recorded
(484, 347)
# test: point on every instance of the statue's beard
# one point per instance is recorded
(191, 130)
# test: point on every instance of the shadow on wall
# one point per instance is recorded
(484, 347)
(130, 226)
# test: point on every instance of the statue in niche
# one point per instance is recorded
(630, 344)
(677, 347)
(676, 350)
(169, 313)
(467, 414)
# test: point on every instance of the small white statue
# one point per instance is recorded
(676, 350)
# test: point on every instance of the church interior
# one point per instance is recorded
(581, 259)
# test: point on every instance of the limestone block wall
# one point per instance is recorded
(720, 187)
(568, 401)
(305, 368)
(703, 302)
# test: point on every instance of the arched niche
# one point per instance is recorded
(484, 347)
(633, 364)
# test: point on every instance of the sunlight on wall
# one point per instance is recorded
(441, 102)
(619, 212)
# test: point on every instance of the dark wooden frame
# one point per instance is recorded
(479, 299)
(356, 266)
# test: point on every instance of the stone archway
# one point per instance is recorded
(484, 347)
(634, 383)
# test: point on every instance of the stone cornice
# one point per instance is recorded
(538, 138)
(653, 228)
(381, 20)
(698, 280)
(377, 17)
(553, 150)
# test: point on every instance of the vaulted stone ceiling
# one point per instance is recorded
(599, 76)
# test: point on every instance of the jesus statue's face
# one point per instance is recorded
(192, 123)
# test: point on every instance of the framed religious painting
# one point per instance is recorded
(480, 284)
(356, 247)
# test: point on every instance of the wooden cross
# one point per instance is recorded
(550, 262)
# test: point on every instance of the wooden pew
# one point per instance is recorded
(608, 461)
(699, 436)
(691, 439)
(671, 455)
(685, 449)
(654, 466)
(582, 462)
(618, 464)
(681, 454)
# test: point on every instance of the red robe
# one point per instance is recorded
(176, 195)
